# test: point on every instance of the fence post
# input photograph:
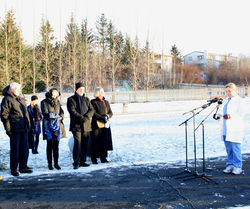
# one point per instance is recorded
(125, 107)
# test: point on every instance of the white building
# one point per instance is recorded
(164, 61)
(205, 59)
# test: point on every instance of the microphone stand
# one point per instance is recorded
(187, 170)
(203, 175)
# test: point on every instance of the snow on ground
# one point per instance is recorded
(148, 133)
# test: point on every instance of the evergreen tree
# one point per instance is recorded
(102, 33)
(72, 39)
(101, 37)
(127, 51)
(177, 60)
(9, 49)
(176, 53)
(86, 41)
(45, 53)
(115, 45)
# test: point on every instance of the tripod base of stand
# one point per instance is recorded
(203, 176)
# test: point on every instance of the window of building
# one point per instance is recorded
(200, 57)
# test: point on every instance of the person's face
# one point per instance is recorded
(16, 91)
(34, 102)
(80, 91)
(101, 93)
(230, 92)
(55, 94)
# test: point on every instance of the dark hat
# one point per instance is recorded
(34, 97)
(79, 85)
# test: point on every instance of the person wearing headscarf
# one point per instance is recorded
(53, 128)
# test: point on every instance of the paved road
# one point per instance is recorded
(140, 186)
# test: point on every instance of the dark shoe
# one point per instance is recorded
(84, 165)
(29, 167)
(14, 173)
(104, 160)
(50, 167)
(26, 170)
(94, 161)
(75, 167)
(57, 167)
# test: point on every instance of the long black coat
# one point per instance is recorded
(80, 117)
(14, 114)
(101, 108)
(48, 105)
(102, 138)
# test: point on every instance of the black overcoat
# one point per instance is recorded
(80, 117)
(14, 114)
(102, 139)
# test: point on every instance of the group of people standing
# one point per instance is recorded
(89, 120)
(22, 125)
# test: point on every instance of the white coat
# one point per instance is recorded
(235, 125)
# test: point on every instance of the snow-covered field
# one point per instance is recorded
(149, 133)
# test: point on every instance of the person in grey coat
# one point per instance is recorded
(15, 118)
(81, 112)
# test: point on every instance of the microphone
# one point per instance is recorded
(216, 99)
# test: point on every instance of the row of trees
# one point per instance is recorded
(99, 57)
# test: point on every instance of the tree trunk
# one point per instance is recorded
(34, 69)
(6, 59)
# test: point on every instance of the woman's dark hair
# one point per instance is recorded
(34, 97)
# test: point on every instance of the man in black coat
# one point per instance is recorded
(15, 118)
(81, 112)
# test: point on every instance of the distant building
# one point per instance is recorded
(205, 59)
(163, 61)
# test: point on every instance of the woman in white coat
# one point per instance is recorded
(231, 115)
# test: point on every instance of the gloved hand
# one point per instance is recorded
(105, 118)
(216, 117)
(227, 116)
(54, 115)
(9, 133)
(84, 119)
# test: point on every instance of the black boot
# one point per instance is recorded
(50, 167)
(104, 160)
(57, 167)
(94, 161)
(14, 173)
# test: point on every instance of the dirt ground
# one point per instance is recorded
(139, 186)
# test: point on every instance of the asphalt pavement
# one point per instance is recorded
(138, 186)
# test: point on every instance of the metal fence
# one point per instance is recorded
(162, 95)
(156, 95)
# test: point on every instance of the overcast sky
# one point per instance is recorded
(219, 26)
